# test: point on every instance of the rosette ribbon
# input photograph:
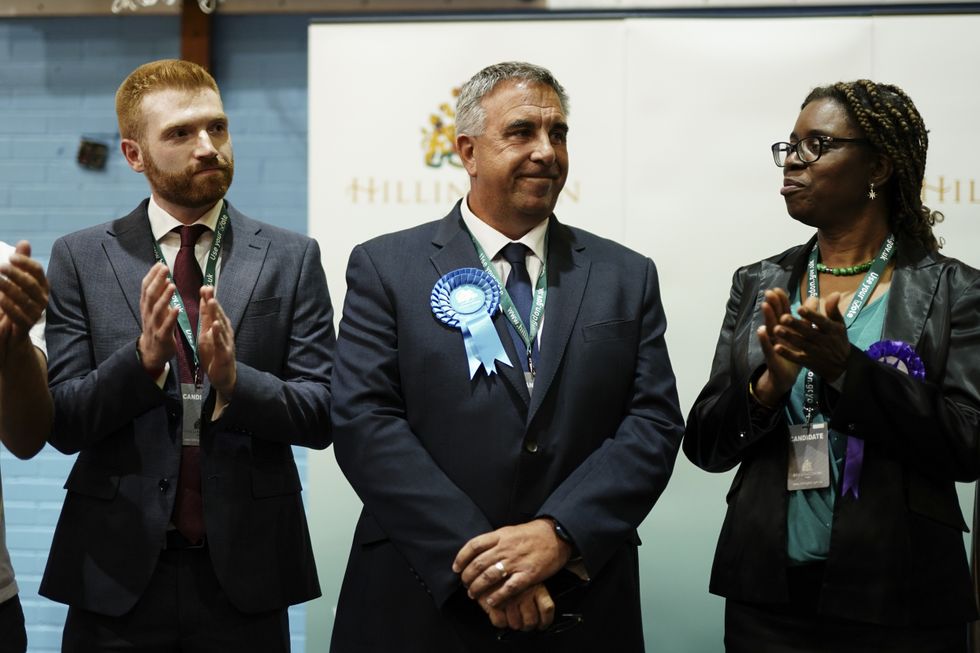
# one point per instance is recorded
(466, 299)
(902, 357)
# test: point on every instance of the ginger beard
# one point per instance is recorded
(197, 187)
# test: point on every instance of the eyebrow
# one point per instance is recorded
(222, 117)
(520, 124)
(527, 124)
(813, 132)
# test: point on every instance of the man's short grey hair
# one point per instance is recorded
(470, 115)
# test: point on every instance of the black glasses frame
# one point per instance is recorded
(818, 144)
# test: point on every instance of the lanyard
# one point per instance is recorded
(209, 272)
(861, 297)
(530, 332)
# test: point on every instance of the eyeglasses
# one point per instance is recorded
(808, 149)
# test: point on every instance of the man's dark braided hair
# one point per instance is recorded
(891, 122)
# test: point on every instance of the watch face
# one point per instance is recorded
(562, 533)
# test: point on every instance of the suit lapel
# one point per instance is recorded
(456, 250)
(772, 275)
(568, 274)
(129, 249)
(242, 257)
(782, 273)
(910, 296)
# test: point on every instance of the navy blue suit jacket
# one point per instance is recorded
(438, 458)
(126, 430)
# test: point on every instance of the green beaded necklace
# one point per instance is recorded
(848, 271)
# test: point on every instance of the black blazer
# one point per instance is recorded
(438, 458)
(896, 553)
(126, 430)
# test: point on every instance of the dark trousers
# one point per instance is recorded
(183, 610)
(13, 635)
(797, 627)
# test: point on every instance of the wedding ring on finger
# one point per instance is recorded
(500, 567)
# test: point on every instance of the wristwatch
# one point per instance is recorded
(563, 534)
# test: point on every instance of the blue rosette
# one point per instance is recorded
(899, 355)
(466, 299)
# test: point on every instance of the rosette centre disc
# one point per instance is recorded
(896, 362)
(467, 299)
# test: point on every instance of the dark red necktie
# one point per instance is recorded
(189, 506)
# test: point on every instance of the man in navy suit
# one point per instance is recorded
(190, 347)
(505, 458)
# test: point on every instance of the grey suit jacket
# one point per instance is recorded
(126, 430)
(439, 458)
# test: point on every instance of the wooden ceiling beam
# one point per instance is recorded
(195, 34)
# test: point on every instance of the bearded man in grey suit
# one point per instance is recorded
(505, 458)
(190, 346)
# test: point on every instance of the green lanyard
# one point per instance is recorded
(861, 297)
(209, 273)
(530, 332)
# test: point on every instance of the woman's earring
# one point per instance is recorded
(871, 192)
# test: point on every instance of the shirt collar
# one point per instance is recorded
(161, 222)
(492, 241)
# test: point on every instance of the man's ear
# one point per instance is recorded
(133, 153)
(465, 144)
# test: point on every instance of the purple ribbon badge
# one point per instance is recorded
(902, 357)
(899, 355)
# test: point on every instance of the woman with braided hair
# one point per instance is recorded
(846, 388)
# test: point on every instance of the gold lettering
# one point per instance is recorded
(423, 192)
(399, 197)
(355, 189)
(940, 190)
(951, 191)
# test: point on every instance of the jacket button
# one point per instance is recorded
(164, 484)
(531, 446)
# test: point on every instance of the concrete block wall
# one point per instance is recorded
(58, 78)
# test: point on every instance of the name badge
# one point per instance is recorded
(529, 380)
(809, 457)
(192, 400)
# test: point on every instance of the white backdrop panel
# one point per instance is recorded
(671, 122)
(702, 199)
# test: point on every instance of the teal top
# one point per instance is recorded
(811, 512)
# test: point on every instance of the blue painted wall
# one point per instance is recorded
(58, 79)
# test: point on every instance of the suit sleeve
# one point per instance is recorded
(933, 425)
(425, 515)
(723, 424)
(91, 401)
(604, 500)
(293, 405)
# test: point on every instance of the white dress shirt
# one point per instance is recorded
(493, 242)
